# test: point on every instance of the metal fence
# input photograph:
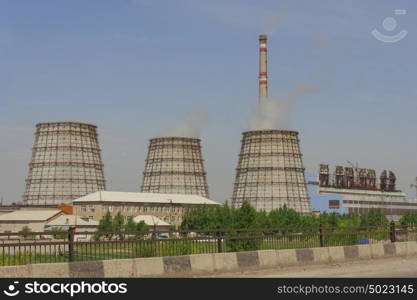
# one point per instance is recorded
(49, 247)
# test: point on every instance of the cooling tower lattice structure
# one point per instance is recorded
(270, 172)
(66, 164)
(174, 165)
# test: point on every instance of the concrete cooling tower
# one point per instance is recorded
(66, 164)
(270, 172)
(174, 165)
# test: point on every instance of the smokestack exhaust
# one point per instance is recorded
(263, 75)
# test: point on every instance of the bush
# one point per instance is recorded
(374, 217)
(409, 218)
(145, 249)
(117, 224)
(59, 230)
(27, 232)
(252, 243)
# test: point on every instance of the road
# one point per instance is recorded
(387, 267)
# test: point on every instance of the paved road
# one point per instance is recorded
(388, 267)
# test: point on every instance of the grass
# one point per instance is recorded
(172, 247)
(26, 257)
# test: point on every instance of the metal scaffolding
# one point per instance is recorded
(175, 165)
(66, 164)
(270, 172)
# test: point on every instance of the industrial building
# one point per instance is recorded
(361, 191)
(65, 221)
(153, 222)
(168, 207)
(174, 165)
(38, 220)
(34, 219)
(270, 172)
(66, 164)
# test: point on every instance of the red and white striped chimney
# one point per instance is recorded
(263, 75)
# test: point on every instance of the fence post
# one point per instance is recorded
(392, 232)
(219, 243)
(321, 235)
(71, 233)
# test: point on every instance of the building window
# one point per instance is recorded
(83, 208)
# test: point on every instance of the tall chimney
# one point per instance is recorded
(263, 75)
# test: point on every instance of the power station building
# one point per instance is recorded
(174, 165)
(361, 191)
(66, 164)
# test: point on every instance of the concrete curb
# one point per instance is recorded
(200, 264)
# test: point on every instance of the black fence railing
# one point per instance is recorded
(49, 247)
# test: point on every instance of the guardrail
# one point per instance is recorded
(49, 247)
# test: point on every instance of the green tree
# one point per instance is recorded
(374, 217)
(284, 217)
(105, 225)
(118, 224)
(59, 230)
(329, 219)
(245, 217)
(207, 217)
(26, 232)
(141, 226)
(25, 229)
(130, 225)
(263, 220)
(409, 218)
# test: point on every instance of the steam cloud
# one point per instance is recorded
(270, 23)
(275, 113)
(190, 126)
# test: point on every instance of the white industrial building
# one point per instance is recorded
(152, 221)
(168, 207)
(65, 221)
(34, 219)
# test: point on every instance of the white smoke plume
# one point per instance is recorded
(271, 23)
(190, 126)
(276, 113)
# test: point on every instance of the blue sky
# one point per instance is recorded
(136, 68)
